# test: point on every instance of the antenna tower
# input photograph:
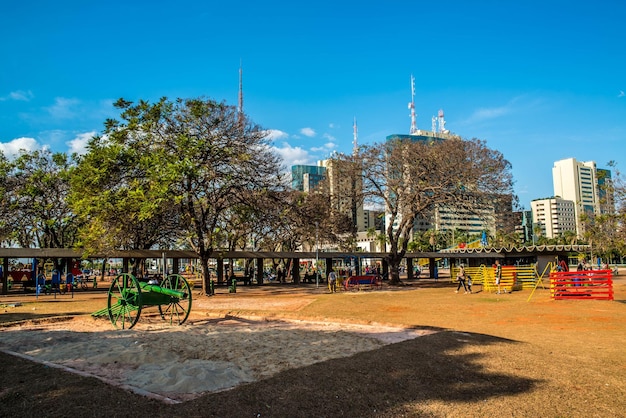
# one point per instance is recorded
(413, 130)
(442, 123)
(355, 144)
(240, 101)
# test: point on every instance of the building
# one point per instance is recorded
(554, 216)
(525, 227)
(344, 188)
(585, 185)
(305, 177)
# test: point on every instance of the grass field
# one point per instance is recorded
(493, 355)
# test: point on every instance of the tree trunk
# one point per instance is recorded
(206, 273)
(393, 261)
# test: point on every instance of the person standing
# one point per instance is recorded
(498, 275)
(332, 281)
(460, 277)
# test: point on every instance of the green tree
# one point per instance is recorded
(408, 178)
(5, 223)
(120, 205)
(199, 158)
(35, 212)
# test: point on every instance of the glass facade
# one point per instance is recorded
(306, 177)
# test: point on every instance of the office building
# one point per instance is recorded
(554, 216)
(585, 185)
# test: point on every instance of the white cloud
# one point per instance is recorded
(13, 148)
(310, 132)
(78, 145)
(329, 146)
(20, 95)
(63, 108)
(489, 113)
(275, 134)
(293, 155)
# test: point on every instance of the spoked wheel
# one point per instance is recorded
(177, 311)
(124, 301)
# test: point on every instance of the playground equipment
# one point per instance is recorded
(127, 297)
(586, 284)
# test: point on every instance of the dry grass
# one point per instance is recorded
(495, 355)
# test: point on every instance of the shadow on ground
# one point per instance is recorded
(391, 381)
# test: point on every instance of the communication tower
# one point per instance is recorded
(413, 130)
(355, 144)
(240, 101)
(442, 123)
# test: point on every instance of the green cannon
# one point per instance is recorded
(127, 297)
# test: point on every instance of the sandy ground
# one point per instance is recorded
(207, 354)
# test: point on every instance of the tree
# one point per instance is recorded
(5, 223)
(201, 157)
(34, 202)
(120, 204)
(409, 178)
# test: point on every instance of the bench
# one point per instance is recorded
(363, 282)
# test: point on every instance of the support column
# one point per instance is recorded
(259, 271)
(175, 265)
(432, 266)
(328, 262)
(220, 271)
(409, 268)
(5, 275)
(295, 270)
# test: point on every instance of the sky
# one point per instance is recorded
(539, 81)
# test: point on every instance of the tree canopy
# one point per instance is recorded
(193, 165)
(409, 178)
(34, 210)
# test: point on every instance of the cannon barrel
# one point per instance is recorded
(145, 287)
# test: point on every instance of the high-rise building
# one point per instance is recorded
(305, 177)
(344, 187)
(554, 216)
(582, 183)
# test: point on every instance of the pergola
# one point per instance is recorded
(471, 255)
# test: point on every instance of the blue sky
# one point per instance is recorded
(540, 81)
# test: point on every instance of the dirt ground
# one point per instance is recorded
(490, 355)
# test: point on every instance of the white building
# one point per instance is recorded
(554, 215)
(580, 182)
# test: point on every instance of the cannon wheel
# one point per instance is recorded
(177, 311)
(124, 301)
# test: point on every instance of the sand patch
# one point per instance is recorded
(183, 362)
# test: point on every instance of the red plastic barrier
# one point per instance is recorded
(359, 282)
(587, 284)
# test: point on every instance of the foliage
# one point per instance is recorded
(121, 205)
(409, 178)
(193, 166)
(34, 211)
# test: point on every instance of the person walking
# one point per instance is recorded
(498, 276)
(460, 277)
